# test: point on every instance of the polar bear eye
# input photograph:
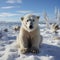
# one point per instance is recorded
(33, 20)
(28, 20)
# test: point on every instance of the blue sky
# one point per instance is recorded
(12, 10)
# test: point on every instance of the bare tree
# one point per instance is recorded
(58, 17)
(46, 19)
(56, 13)
(54, 27)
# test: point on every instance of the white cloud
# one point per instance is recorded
(10, 1)
(10, 17)
(7, 14)
(7, 7)
(19, 1)
(36, 13)
(24, 11)
(14, 1)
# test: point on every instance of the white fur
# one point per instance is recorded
(25, 33)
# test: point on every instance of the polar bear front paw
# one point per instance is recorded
(24, 50)
(35, 50)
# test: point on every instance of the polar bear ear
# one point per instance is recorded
(38, 17)
(22, 18)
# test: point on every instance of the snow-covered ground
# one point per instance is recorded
(50, 49)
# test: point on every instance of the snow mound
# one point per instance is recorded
(50, 49)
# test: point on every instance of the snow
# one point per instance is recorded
(50, 48)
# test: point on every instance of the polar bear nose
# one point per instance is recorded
(30, 26)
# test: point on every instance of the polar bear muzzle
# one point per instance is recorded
(31, 24)
(31, 27)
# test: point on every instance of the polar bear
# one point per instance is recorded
(29, 38)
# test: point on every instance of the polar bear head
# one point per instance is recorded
(30, 22)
